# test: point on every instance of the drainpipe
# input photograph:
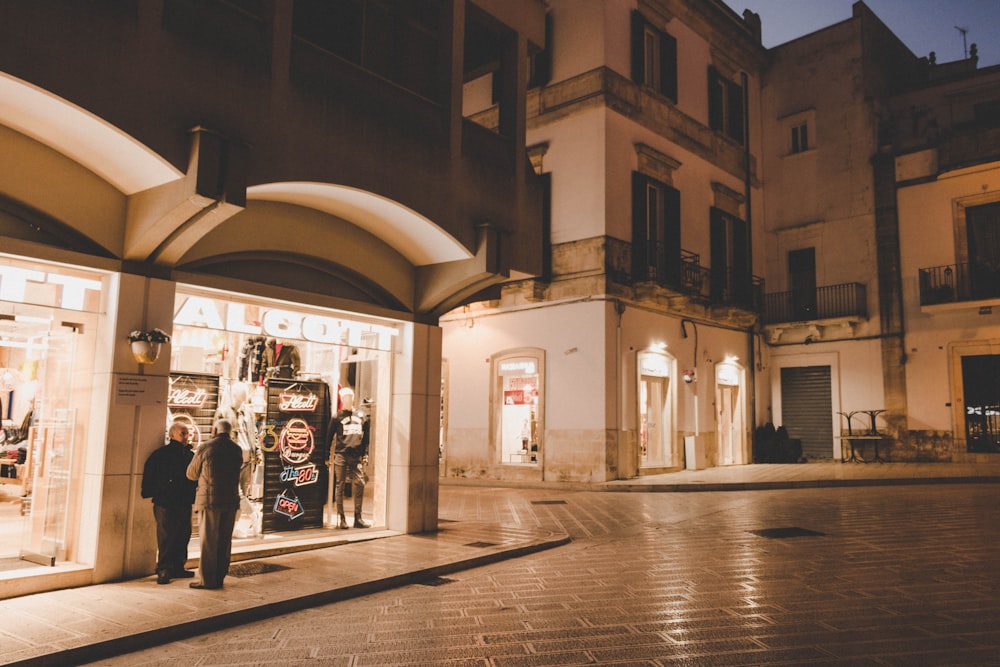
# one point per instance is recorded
(620, 389)
(751, 357)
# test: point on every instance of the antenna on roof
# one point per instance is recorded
(965, 49)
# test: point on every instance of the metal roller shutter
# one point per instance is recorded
(807, 409)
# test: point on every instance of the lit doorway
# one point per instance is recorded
(657, 411)
(731, 416)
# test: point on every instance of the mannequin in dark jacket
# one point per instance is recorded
(349, 435)
(164, 479)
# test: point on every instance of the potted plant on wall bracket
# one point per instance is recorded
(146, 344)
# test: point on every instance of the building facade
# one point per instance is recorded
(288, 192)
(681, 162)
(946, 173)
(633, 352)
(881, 319)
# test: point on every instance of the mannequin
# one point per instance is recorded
(239, 412)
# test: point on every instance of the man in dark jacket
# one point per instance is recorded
(216, 467)
(349, 443)
(164, 479)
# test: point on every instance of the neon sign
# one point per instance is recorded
(295, 443)
(301, 476)
(197, 311)
(292, 402)
(289, 506)
(186, 397)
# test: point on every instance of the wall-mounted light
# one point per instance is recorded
(146, 345)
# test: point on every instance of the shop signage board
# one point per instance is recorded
(295, 449)
(198, 311)
(140, 389)
(21, 284)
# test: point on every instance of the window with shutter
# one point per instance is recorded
(654, 57)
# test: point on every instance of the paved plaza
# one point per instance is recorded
(885, 574)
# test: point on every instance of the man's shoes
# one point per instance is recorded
(360, 523)
(199, 584)
(343, 523)
(162, 577)
(182, 574)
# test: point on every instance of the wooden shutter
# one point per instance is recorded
(734, 110)
(640, 259)
(638, 47)
(668, 66)
(715, 101)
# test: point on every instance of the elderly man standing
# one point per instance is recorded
(164, 479)
(216, 467)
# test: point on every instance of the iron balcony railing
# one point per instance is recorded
(844, 300)
(958, 282)
(688, 276)
(730, 288)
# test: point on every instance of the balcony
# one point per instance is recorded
(689, 278)
(956, 283)
(732, 289)
(830, 302)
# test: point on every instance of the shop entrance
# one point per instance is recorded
(731, 421)
(519, 380)
(39, 438)
(654, 423)
(275, 371)
(49, 315)
(656, 411)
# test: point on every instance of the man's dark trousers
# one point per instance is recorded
(173, 532)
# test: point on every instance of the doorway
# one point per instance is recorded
(657, 410)
(982, 402)
(731, 426)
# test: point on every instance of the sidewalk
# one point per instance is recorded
(78, 625)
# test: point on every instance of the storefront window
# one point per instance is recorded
(519, 379)
(49, 317)
(274, 370)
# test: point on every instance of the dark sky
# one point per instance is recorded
(923, 25)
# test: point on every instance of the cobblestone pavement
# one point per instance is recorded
(897, 575)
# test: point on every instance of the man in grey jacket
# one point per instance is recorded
(216, 467)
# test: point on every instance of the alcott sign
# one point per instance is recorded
(198, 311)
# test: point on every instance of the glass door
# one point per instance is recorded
(51, 452)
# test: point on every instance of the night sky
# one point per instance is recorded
(923, 25)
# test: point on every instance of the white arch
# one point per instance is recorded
(83, 137)
(412, 235)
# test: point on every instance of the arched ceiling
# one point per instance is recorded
(131, 168)
(412, 235)
(100, 147)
